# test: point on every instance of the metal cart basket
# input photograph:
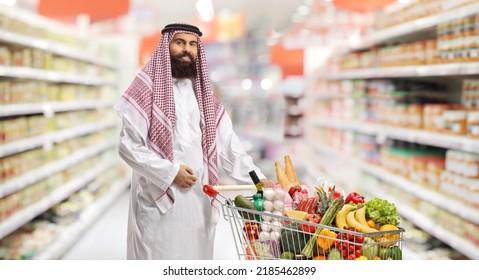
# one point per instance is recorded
(266, 236)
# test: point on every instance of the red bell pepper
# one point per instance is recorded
(312, 218)
(336, 194)
(355, 198)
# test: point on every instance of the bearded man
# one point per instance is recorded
(175, 133)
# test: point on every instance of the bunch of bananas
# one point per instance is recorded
(355, 217)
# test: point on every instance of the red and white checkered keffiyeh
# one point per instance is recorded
(148, 104)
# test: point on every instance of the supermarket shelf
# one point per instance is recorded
(411, 135)
(43, 172)
(418, 218)
(439, 200)
(414, 26)
(412, 215)
(52, 76)
(53, 47)
(72, 233)
(63, 192)
(47, 108)
(53, 137)
(433, 70)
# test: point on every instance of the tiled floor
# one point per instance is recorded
(106, 240)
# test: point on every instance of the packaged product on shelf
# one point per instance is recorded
(455, 122)
(473, 124)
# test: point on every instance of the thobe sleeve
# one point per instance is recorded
(132, 149)
(234, 159)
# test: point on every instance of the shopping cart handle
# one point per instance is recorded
(210, 191)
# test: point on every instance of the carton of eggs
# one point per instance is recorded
(273, 203)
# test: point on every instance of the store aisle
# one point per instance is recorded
(106, 239)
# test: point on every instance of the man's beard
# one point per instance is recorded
(183, 69)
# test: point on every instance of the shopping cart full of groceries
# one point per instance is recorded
(323, 226)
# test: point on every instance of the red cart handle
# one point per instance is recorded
(210, 191)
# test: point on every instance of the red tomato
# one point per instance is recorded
(351, 249)
(358, 253)
(360, 239)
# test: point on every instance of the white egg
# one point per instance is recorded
(268, 194)
(275, 235)
(276, 226)
(264, 236)
(277, 213)
(278, 205)
(268, 205)
(279, 194)
(267, 218)
(266, 227)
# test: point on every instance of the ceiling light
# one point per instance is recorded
(247, 84)
(266, 84)
(205, 9)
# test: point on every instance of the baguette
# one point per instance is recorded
(281, 177)
(290, 172)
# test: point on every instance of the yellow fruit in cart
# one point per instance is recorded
(295, 214)
(371, 223)
(389, 239)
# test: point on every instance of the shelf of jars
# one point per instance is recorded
(8, 37)
(53, 76)
(71, 233)
(449, 11)
(47, 108)
(441, 199)
(62, 192)
(381, 132)
(48, 139)
(415, 203)
(56, 118)
(23, 28)
(16, 183)
(435, 70)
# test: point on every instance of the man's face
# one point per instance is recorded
(183, 53)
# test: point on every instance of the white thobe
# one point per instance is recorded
(187, 229)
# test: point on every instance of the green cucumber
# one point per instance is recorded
(242, 202)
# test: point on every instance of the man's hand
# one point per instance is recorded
(267, 183)
(185, 177)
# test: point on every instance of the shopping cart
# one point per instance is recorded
(265, 236)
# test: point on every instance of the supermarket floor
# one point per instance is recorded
(106, 239)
